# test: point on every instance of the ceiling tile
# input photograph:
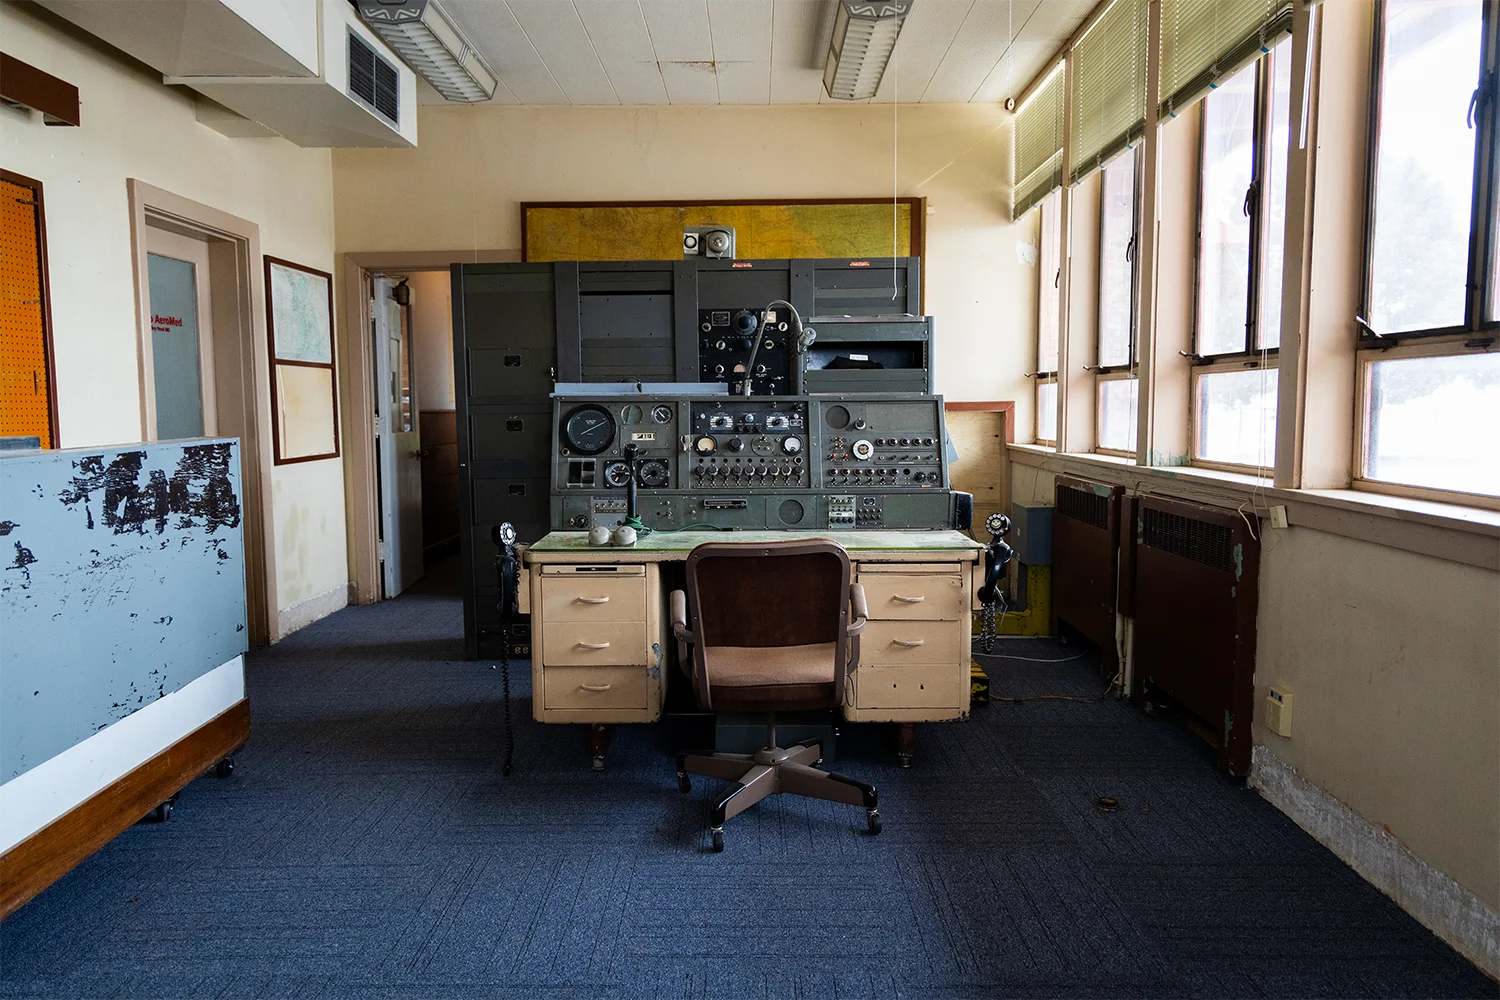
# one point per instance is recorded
(1046, 26)
(744, 82)
(617, 29)
(796, 56)
(637, 82)
(690, 82)
(741, 30)
(559, 37)
(986, 32)
(1015, 70)
(924, 40)
(679, 31)
(497, 34)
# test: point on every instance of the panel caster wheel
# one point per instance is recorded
(598, 764)
(718, 833)
(872, 821)
(684, 783)
(904, 759)
(224, 768)
(162, 813)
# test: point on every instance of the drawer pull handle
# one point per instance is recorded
(592, 600)
(908, 642)
(595, 687)
(908, 600)
(593, 645)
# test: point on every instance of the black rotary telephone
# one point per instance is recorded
(508, 567)
(997, 557)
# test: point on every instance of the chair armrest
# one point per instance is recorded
(677, 606)
(861, 613)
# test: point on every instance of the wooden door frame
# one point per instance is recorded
(242, 382)
(356, 372)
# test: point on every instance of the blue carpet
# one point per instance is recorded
(367, 847)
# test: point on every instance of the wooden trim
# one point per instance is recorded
(22, 83)
(1005, 406)
(357, 373)
(429, 260)
(329, 365)
(57, 848)
(239, 241)
(45, 286)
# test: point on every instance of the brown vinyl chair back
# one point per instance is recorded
(762, 594)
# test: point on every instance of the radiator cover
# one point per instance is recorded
(1196, 584)
(1085, 544)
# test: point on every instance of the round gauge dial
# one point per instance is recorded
(661, 414)
(704, 445)
(617, 474)
(632, 414)
(791, 445)
(588, 430)
(652, 474)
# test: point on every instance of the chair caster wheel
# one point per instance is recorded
(598, 763)
(162, 813)
(904, 759)
(872, 821)
(684, 783)
(718, 840)
(224, 768)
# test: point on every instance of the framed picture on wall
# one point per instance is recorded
(304, 397)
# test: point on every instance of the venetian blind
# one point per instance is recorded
(1038, 143)
(1206, 41)
(1109, 86)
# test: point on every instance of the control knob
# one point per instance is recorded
(862, 450)
(736, 444)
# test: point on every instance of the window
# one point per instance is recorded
(1117, 413)
(1241, 226)
(1429, 374)
(1116, 263)
(1049, 315)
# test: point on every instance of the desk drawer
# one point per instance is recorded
(589, 643)
(583, 598)
(890, 643)
(913, 596)
(595, 687)
(905, 687)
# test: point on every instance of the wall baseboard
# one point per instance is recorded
(304, 613)
(57, 848)
(1435, 900)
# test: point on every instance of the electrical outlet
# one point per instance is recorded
(1279, 711)
(1278, 516)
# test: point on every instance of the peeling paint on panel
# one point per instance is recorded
(1238, 554)
(654, 671)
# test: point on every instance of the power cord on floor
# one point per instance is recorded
(1082, 699)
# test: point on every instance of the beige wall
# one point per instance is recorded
(135, 127)
(461, 189)
(1393, 659)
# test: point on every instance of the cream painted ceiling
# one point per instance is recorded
(750, 51)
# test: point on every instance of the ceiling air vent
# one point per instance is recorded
(373, 81)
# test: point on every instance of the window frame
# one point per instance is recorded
(1251, 357)
(1100, 378)
(1050, 375)
(1132, 262)
(1036, 399)
(1479, 297)
(1479, 333)
(1221, 364)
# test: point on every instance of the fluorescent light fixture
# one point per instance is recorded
(422, 34)
(864, 36)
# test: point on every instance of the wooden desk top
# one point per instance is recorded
(671, 546)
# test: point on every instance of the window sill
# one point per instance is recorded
(1444, 530)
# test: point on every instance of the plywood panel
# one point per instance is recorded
(763, 230)
(979, 437)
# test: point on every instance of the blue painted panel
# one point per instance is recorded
(122, 579)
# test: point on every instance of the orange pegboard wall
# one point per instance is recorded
(24, 387)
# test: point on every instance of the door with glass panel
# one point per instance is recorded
(178, 346)
(398, 444)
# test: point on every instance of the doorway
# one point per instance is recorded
(204, 358)
(398, 438)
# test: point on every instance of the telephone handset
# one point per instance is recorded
(508, 569)
(997, 556)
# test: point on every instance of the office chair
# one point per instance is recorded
(765, 627)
